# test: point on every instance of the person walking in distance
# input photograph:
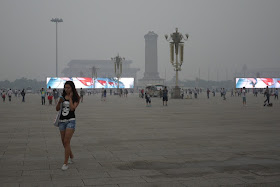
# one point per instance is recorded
(3, 94)
(164, 96)
(50, 97)
(104, 94)
(67, 122)
(182, 93)
(208, 92)
(244, 96)
(43, 96)
(82, 93)
(267, 94)
(10, 92)
(160, 93)
(148, 98)
(276, 94)
(224, 94)
(195, 93)
(23, 95)
(126, 92)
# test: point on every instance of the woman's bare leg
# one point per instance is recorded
(62, 133)
(66, 142)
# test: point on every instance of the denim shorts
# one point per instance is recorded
(68, 124)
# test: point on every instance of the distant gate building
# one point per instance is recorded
(105, 68)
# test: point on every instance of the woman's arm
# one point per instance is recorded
(58, 104)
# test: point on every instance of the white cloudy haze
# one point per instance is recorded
(224, 34)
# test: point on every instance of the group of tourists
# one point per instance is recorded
(8, 93)
(163, 93)
(51, 94)
(223, 91)
(267, 94)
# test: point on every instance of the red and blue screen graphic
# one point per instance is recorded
(80, 82)
(88, 82)
(125, 82)
(258, 82)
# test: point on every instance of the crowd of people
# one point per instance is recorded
(193, 93)
(53, 94)
(9, 93)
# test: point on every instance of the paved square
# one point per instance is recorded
(120, 142)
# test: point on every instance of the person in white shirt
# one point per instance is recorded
(10, 92)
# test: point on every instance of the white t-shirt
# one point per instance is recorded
(49, 92)
(10, 93)
(243, 93)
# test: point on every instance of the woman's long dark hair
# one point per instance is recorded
(76, 97)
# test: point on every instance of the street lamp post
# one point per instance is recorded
(177, 47)
(94, 73)
(56, 20)
(118, 68)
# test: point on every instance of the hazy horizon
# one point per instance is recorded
(224, 35)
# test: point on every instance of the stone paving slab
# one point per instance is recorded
(117, 180)
(213, 182)
(157, 184)
(34, 184)
(120, 142)
(9, 184)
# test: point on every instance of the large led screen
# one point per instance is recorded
(113, 83)
(258, 82)
(80, 82)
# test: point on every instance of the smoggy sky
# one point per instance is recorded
(224, 34)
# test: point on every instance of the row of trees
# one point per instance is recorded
(23, 83)
(199, 83)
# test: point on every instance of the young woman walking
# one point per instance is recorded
(70, 101)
